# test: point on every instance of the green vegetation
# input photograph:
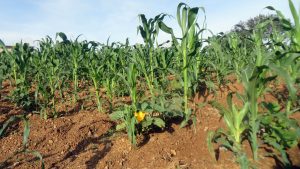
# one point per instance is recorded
(144, 86)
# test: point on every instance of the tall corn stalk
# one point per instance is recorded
(187, 20)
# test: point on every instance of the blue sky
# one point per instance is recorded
(30, 20)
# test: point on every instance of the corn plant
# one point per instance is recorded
(74, 51)
(52, 74)
(131, 82)
(75, 54)
(231, 139)
(95, 73)
(40, 61)
(187, 20)
(149, 31)
(1, 77)
(145, 55)
(239, 53)
(20, 62)
(110, 84)
(219, 59)
(289, 64)
(129, 122)
(142, 66)
(255, 79)
(4, 67)
(115, 58)
(279, 131)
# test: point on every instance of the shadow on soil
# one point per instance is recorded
(9, 164)
(88, 144)
(168, 128)
(72, 111)
(279, 163)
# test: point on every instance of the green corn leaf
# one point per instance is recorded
(229, 120)
(132, 129)
(271, 8)
(229, 101)
(242, 113)
(209, 140)
(283, 153)
(295, 15)
(62, 36)
(272, 107)
(192, 15)
(168, 30)
(165, 28)
(26, 131)
(280, 15)
(191, 39)
(143, 33)
(262, 25)
(289, 82)
(144, 22)
(243, 160)
(2, 43)
(179, 19)
(184, 20)
(220, 107)
(5, 125)
(77, 38)
(225, 143)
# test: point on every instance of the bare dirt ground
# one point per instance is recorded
(84, 138)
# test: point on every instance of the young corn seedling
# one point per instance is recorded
(128, 122)
(233, 137)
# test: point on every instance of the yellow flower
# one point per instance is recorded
(140, 116)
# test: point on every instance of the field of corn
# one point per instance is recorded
(226, 100)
